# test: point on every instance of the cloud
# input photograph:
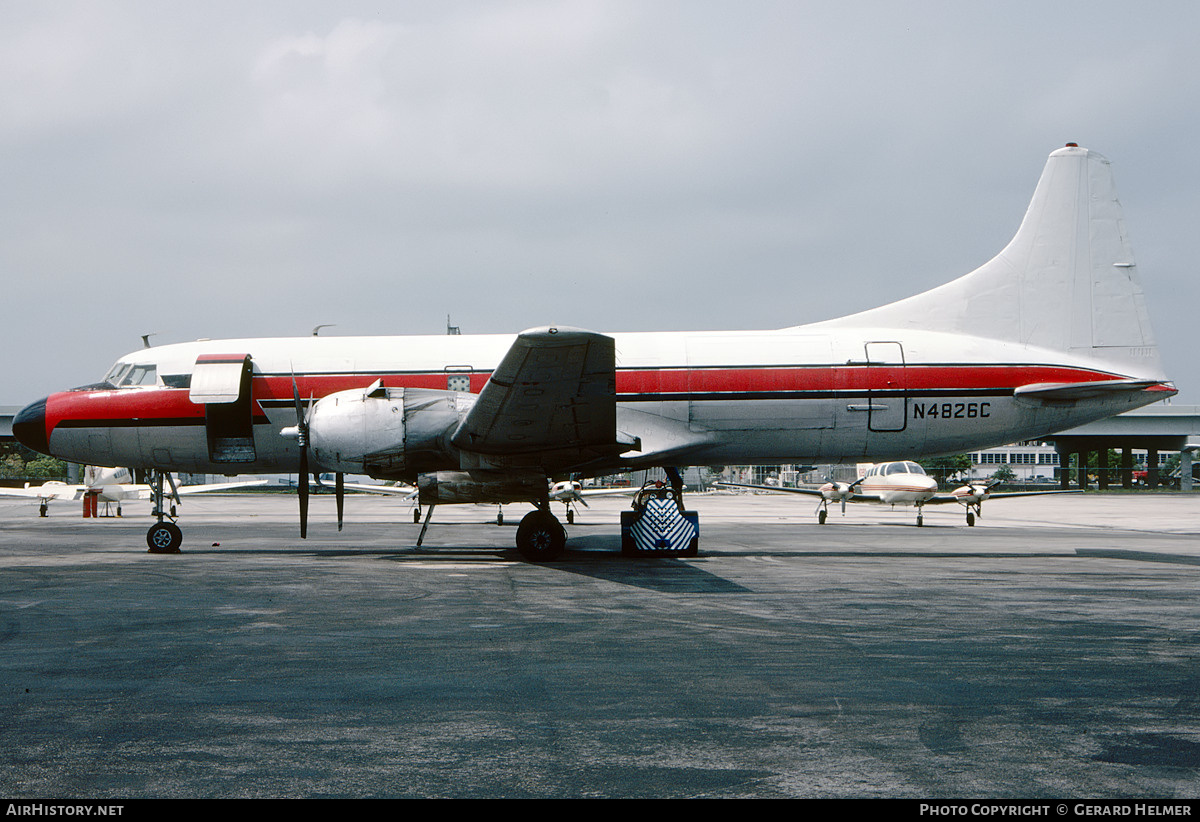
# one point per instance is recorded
(227, 169)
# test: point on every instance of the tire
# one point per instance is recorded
(164, 538)
(540, 537)
(821, 515)
(970, 518)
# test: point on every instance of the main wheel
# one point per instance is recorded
(540, 537)
(970, 518)
(164, 538)
(821, 515)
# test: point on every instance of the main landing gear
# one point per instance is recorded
(656, 526)
(540, 536)
(163, 537)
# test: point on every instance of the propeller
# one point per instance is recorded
(300, 433)
(844, 491)
(850, 490)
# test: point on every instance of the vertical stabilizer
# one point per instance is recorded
(1067, 281)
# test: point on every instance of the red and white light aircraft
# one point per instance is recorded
(1050, 334)
(896, 483)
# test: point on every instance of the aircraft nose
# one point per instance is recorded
(29, 427)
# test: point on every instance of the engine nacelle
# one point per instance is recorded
(498, 487)
(972, 494)
(834, 491)
(386, 432)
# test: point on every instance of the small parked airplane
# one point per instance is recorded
(570, 492)
(897, 483)
(111, 485)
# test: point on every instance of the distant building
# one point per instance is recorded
(1027, 460)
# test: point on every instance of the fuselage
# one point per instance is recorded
(690, 398)
(898, 483)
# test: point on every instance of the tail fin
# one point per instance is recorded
(1067, 281)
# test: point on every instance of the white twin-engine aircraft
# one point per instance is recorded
(897, 483)
(1050, 334)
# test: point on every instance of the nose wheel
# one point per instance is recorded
(163, 537)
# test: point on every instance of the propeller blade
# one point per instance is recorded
(339, 491)
(296, 399)
(843, 506)
(302, 443)
(303, 491)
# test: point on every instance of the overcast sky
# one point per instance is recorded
(257, 168)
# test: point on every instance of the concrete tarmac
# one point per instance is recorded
(1051, 651)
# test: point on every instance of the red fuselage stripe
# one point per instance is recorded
(158, 405)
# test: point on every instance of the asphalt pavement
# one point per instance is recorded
(1051, 651)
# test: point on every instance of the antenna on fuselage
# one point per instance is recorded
(146, 339)
(452, 330)
(319, 327)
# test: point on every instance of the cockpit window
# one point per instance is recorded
(903, 468)
(142, 375)
(124, 373)
(114, 375)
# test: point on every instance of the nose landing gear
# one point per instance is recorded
(163, 537)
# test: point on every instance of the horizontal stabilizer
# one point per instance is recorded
(1064, 391)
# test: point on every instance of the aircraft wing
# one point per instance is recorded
(606, 492)
(811, 492)
(939, 499)
(44, 492)
(217, 486)
(384, 490)
(550, 403)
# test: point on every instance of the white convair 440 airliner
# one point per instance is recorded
(1050, 334)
